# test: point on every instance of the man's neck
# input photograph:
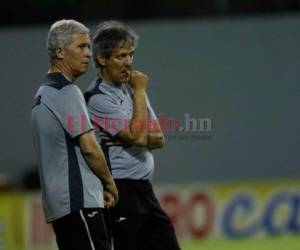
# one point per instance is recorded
(56, 67)
(108, 80)
(103, 76)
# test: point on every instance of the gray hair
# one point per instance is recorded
(61, 34)
(109, 35)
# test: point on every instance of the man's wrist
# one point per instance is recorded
(139, 91)
(108, 182)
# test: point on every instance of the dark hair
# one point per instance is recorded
(109, 35)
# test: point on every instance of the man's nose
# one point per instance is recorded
(129, 60)
(88, 52)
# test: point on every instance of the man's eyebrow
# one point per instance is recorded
(84, 43)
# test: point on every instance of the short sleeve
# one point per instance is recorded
(72, 112)
(108, 114)
(151, 112)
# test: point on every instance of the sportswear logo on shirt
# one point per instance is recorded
(120, 219)
(92, 214)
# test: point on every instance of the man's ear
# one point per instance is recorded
(59, 53)
(101, 59)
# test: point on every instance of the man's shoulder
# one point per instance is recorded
(71, 88)
(92, 91)
(98, 94)
(56, 81)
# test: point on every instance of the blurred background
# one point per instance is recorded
(226, 71)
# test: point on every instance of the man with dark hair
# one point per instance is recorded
(73, 171)
(127, 131)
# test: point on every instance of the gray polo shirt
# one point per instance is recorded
(110, 108)
(58, 116)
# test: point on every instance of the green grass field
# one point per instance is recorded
(264, 243)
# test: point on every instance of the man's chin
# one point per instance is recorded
(125, 80)
(82, 72)
(120, 80)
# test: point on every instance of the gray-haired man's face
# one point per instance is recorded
(76, 56)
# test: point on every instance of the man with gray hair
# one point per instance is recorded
(128, 130)
(75, 180)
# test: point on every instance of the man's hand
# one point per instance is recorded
(138, 80)
(111, 141)
(111, 195)
(109, 200)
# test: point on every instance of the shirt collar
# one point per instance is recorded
(57, 79)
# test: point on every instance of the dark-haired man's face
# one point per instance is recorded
(117, 67)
